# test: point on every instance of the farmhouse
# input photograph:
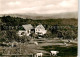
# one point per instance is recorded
(27, 30)
(40, 30)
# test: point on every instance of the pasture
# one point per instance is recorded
(45, 46)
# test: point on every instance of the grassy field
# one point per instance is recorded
(70, 51)
(45, 46)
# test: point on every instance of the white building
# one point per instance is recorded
(40, 30)
(27, 30)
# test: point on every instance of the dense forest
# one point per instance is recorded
(66, 28)
(15, 21)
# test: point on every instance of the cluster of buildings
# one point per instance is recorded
(29, 29)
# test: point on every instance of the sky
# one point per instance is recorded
(38, 6)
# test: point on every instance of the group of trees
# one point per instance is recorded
(67, 32)
(14, 21)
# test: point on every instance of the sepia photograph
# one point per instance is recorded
(38, 28)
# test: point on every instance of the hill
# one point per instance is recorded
(66, 15)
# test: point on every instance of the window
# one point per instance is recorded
(22, 33)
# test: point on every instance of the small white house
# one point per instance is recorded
(27, 30)
(40, 30)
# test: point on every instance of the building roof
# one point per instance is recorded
(40, 26)
(27, 26)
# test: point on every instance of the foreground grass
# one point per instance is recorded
(70, 51)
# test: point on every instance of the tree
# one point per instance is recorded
(11, 35)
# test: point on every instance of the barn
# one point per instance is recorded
(27, 31)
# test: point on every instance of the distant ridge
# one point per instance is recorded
(45, 16)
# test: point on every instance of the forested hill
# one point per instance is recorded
(67, 27)
(16, 21)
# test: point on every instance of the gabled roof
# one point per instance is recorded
(27, 26)
(40, 26)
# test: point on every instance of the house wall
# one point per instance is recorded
(27, 33)
(41, 31)
(19, 33)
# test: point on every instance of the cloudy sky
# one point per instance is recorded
(38, 6)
